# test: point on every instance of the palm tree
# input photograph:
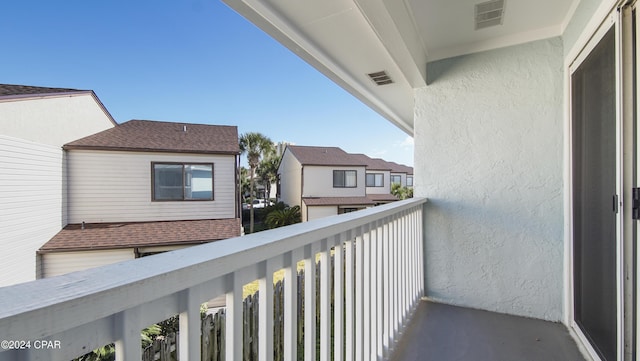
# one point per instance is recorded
(284, 217)
(255, 146)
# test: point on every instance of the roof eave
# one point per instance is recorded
(146, 150)
(395, 101)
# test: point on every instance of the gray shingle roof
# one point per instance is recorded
(147, 135)
(13, 89)
(330, 156)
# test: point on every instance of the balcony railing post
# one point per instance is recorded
(128, 328)
(189, 342)
(394, 275)
(386, 289)
(291, 306)
(338, 296)
(325, 300)
(360, 294)
(366, 269)
(233, 323)
(349, 298)
(310, 301)
(265, 313)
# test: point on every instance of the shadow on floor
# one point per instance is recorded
(440, 332)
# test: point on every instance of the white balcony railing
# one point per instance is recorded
(381, 283)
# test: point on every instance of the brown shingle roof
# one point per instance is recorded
(382, 197)
(324, 156)
(141, 234)
(147, 135)
(373, 163)
(338, 201)
(400, 168)
(12, 89)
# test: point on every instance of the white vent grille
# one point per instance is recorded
(489, 13)
(380, 78)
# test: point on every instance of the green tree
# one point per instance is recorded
(284, 217)
(401, 192)
(255, 146)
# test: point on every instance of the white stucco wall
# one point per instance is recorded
(488, 153)
(107, 186)
(318, 182)
(55, 120)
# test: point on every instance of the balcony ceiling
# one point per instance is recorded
(348, 39)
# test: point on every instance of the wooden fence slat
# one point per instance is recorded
(213, 326)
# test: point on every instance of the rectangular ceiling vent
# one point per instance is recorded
(380, 78)
(489, 13)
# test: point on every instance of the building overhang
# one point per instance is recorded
(348, 40)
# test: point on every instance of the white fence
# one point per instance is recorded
(380, 283)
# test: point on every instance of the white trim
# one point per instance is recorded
(598, 17)
(613, 19)
(567, 19)
(495, 43)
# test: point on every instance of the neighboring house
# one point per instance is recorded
(401, 174)
(326, 181)
(323, 181)
(145, 187)
(377, 179)
(34, 124)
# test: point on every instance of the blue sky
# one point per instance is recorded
(193, 61)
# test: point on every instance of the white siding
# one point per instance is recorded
(59, 263)
(315, 212)
(318, 182)
(290, 171)
(386, 185)
(107, 186)
(32, 198)
(53, 120)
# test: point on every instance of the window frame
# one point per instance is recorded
(375, 176)
(344, 172)
(184, 165)
(409, 181)
(398, 176)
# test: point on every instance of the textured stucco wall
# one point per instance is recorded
(488, 155)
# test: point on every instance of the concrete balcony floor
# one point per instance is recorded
(440, 332)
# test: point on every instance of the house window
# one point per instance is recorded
(182, 182)
(396, 179)
(344, 179)
(409, 181)
(375, 180)
(347, 210)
